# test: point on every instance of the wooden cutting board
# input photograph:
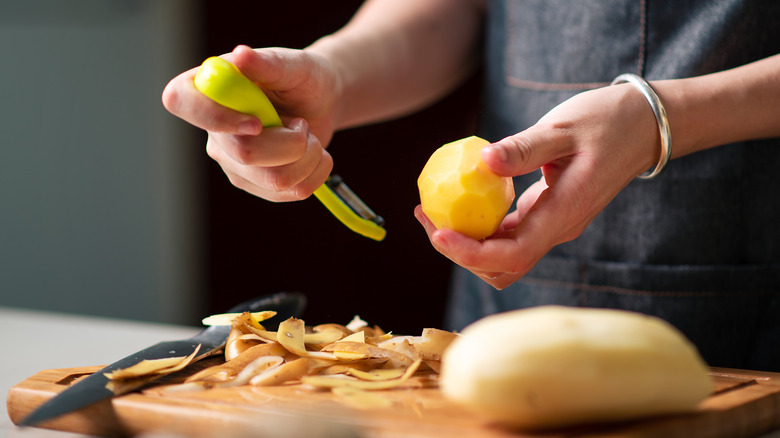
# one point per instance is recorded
(743, 404)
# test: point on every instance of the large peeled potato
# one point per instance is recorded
(555, 366)
(459, 192)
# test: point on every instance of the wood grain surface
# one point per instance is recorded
(743, 404)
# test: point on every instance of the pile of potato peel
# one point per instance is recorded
(346, 359)
(532, 369)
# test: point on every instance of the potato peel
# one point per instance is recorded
(227, 318)
(350, 360)
(339, 381)
(353, 361)
(377, 374)
(230, 369)
(291, 336)
(265, 335)
(237, 343)
(367, 350)
(324, 337)
(254, 368)
(434, 343)
(285, 372)
(345, 367)
(155, 367)
(354, 337)
(339, 327)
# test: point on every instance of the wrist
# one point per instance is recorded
(724, 107)
(688, 129)
(659, 111)
(338, 58)
(322, 50)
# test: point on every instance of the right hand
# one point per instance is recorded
(588, 148)
(278, 164)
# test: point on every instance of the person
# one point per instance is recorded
(698, 245)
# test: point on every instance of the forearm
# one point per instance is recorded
(725, 107)
(396, 56)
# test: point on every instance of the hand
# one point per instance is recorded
(279, 164)
(588, 148)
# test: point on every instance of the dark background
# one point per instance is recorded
(256, 247)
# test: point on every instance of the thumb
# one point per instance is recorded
(525, 152)
(273, 68)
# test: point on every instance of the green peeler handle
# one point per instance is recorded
(224, 83)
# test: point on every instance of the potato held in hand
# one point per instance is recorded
(459, 192)
(555, 366)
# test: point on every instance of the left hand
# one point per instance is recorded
(280, 164)
(588, 148)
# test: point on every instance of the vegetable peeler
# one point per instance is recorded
(224, 83)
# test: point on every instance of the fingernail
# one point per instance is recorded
(249, 127)
(301, 124)
(499, 152)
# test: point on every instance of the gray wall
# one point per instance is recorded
(98, 192)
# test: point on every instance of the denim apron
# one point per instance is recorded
(699, 246)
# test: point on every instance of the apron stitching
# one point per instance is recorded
(543, 86)
(509, 79)
(626, 291)
(640, 68)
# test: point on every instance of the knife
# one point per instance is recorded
(92, 389)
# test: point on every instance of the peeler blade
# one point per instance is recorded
(353, 201)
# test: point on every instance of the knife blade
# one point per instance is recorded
(92, 389)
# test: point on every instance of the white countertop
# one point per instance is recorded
(34, 341)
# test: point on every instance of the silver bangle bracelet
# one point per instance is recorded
(660, 116)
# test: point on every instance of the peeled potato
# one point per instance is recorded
(459, 192)
(555, 366)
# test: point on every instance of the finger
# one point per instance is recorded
(432, 231)
(304, 176)
(524, 203)
(488, 276)
(306, 187)
(272, 179)
(301, 191)
(502, 281)
(448, 242)
(555, 217)
(290, 182)
(271, 68)
(244, 184)
(451, 243)
(526, 151)
(424, 220)
(182, 99)
(276, 147)
(497, 279)
(492, 255)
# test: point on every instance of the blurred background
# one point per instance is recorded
(109, 206)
